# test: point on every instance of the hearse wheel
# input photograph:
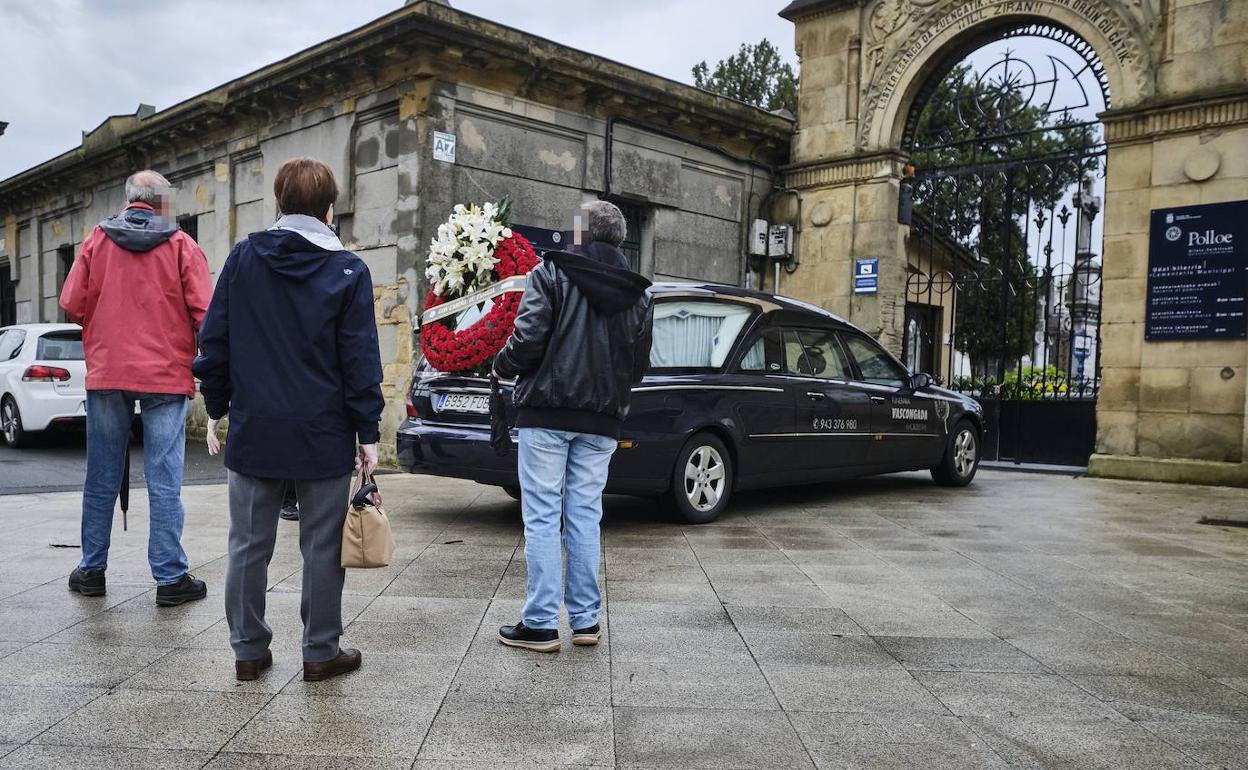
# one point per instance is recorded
(961, 456)
(513, 493)
(702, 479)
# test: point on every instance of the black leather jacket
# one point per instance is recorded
(582, 341)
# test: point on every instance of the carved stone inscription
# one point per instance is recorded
(900, 32)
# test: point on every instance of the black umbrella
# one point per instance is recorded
(125, 487)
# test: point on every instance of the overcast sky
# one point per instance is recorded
(69, 64)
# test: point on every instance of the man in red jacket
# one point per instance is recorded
(139, 288)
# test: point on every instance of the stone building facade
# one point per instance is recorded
(1176, 134)
(547, 125)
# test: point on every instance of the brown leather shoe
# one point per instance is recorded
(249, 670)
(346, 662)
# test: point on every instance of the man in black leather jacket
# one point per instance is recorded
(582, 341)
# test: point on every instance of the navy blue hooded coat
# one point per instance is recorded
(289, 350)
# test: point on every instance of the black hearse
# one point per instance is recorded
(745, 390)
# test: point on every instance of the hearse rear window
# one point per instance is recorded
(696, 333)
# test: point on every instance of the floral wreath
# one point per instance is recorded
(473, 250)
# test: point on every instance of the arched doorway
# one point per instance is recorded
(1174, 135)
(1002, 193)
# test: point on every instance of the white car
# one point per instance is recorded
(42, 379)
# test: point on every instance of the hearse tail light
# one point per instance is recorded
(412, 411)
(45, 374)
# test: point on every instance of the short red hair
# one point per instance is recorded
(305, 186)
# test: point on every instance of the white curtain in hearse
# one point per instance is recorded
(695, 335)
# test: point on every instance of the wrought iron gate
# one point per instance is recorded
(1003, 295)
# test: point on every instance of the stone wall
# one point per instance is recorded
(1167, 399)
(1172, 401)
(550, 161)
(849, 211)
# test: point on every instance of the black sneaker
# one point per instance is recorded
(536, 639)
(188, 589)
(290, 502)
(88, 582)
(586, 637)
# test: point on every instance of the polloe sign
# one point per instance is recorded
(1198, 273)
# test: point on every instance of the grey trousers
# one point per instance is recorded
(254, 507)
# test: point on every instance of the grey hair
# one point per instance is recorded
(146, 187)
(606, 222)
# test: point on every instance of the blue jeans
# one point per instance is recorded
(109, 415)
(562, 475)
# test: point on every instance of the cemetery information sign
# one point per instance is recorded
(1198, 273)
(867, 275)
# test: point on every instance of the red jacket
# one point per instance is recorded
(139, 288)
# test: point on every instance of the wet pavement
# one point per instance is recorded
(1028, 621)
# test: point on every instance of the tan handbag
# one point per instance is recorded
(367, 541)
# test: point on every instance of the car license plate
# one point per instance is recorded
(464, 402)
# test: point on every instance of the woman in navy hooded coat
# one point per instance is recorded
(289, 350)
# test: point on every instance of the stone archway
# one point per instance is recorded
(1174, 134)
(906, 42)
(849, 151)
(1004, 184)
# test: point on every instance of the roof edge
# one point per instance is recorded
(798, 9)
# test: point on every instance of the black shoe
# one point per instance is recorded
(188, 589)
(88, 582)
(536, 639)
(586, 637)
(290, 512)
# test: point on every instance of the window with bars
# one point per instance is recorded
(632, 240)
(64, 263)
(189, 224)
(8, 296)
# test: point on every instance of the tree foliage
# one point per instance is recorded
(756, 74)
(986, 163)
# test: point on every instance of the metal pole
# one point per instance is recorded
(958, 225)
(1048, 298)
(1025, 308)
(1003, 351)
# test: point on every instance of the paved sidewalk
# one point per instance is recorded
(1029, 621)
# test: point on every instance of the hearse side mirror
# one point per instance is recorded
(920, 381)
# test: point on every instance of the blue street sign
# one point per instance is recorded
(866, 275)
